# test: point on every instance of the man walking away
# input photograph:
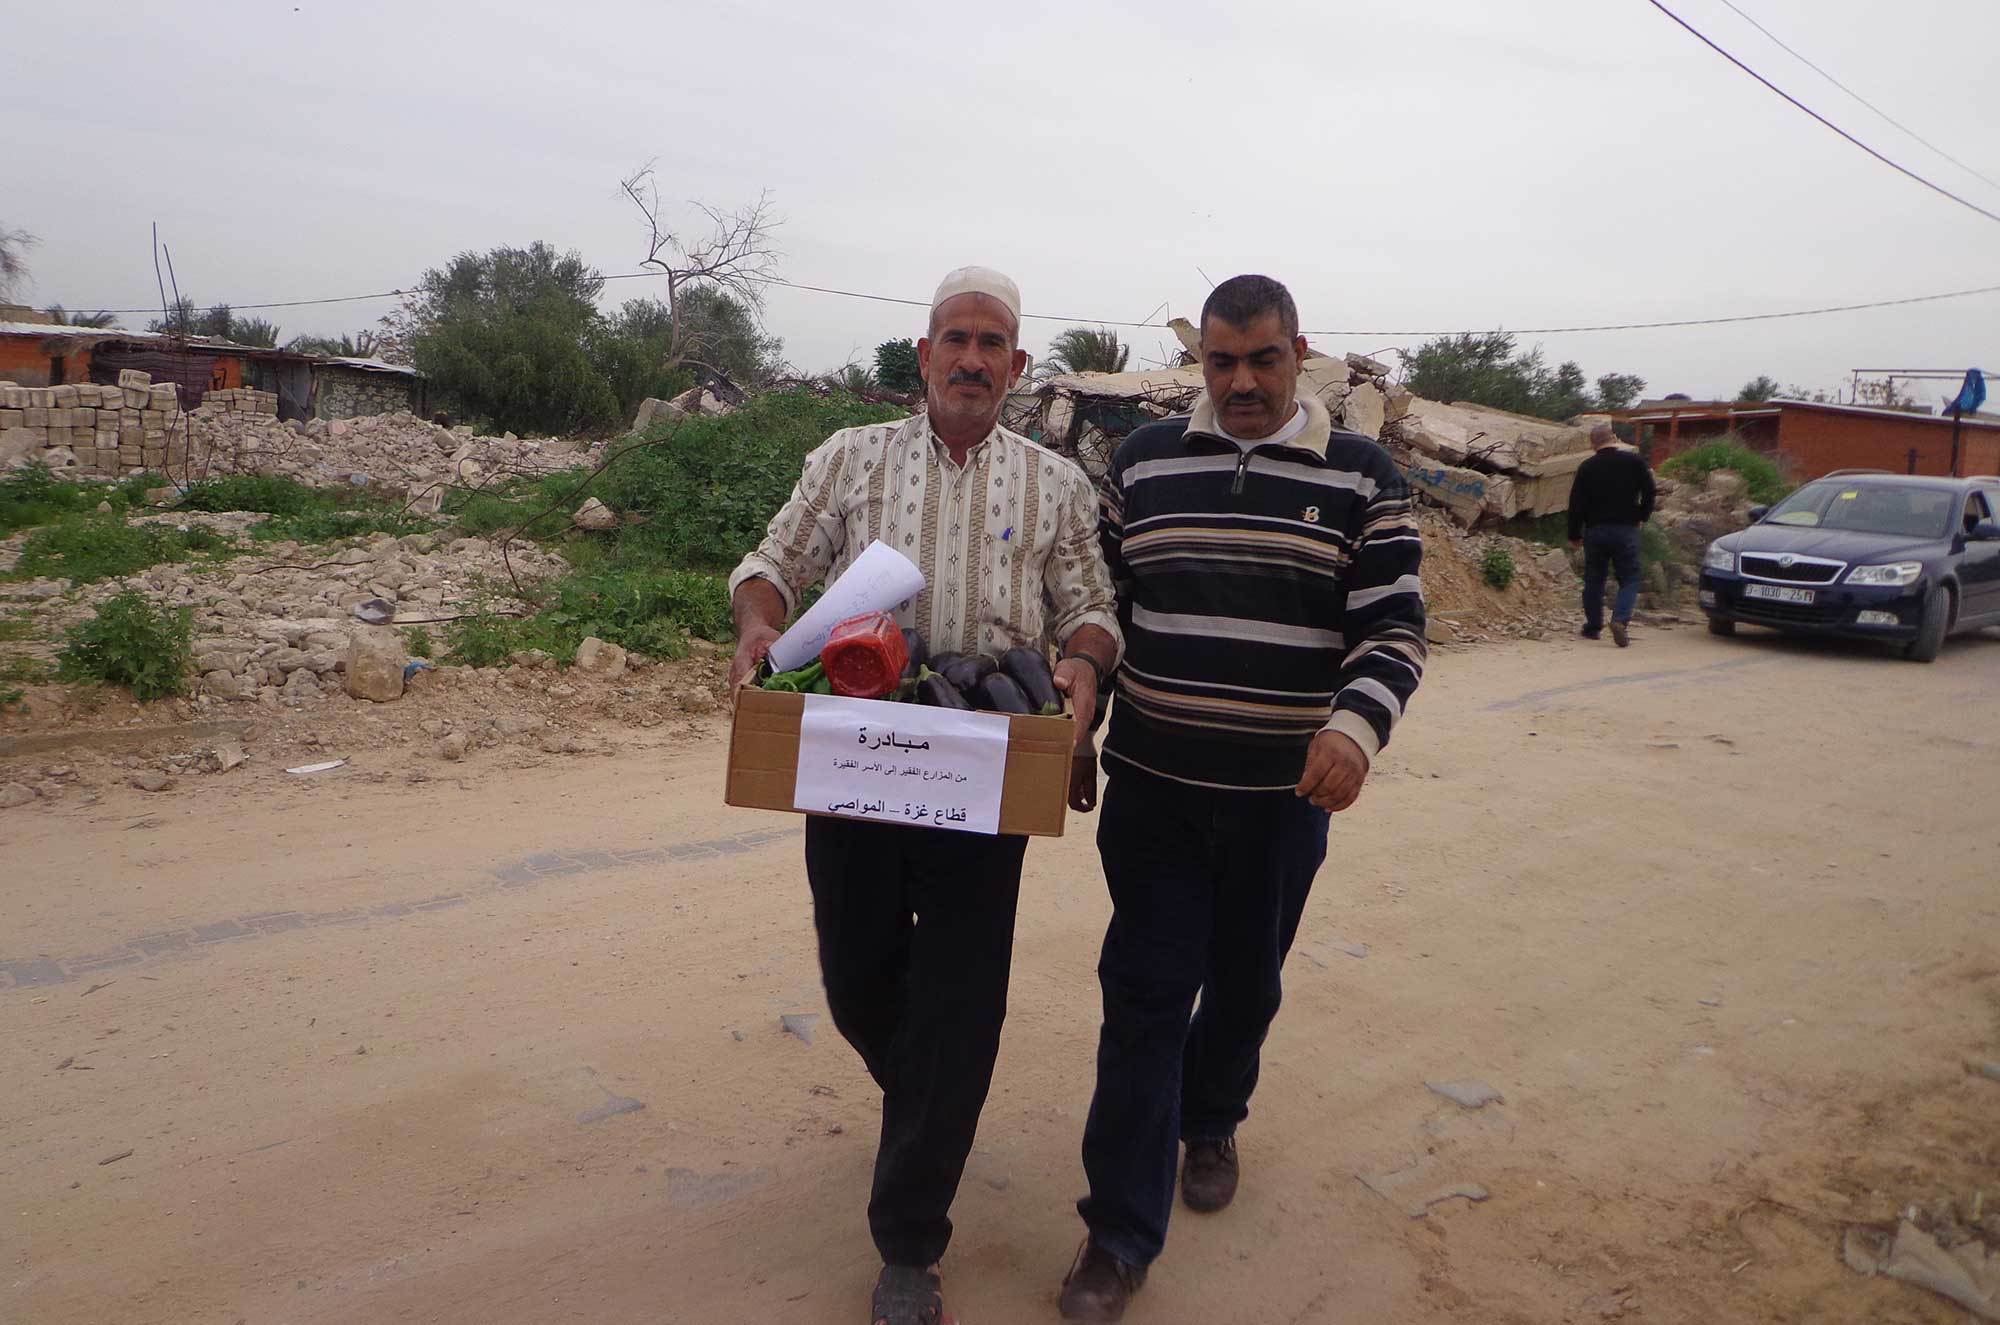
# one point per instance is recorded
(1610, 498)
(1267, 573)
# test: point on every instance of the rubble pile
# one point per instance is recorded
(1485, 465)
(1693, 515)
(398, 452)
(281, 626)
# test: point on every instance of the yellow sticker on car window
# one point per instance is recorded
(1849, 496)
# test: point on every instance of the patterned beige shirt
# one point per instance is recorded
(1007, 543)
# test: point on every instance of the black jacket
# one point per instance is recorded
(1615, 486)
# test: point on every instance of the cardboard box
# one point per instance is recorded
(764, 761)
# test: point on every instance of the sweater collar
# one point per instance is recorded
(1319, 424)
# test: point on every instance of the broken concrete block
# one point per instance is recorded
(596, 658)
(1361, 363)
(1364, 411)
(594, 514)
(374, 664)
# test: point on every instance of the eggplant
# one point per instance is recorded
(919, 655)
(1029, 669)
(968, 671)
(934, 690)
(937, 662)
(997, 693)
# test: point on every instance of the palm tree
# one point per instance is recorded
(65, 318)
(361, 345)
(1086, 350)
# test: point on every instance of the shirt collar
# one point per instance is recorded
(1312, 438)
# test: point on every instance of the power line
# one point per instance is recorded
(1893, 165)
(1801, 58)
(1161, 326)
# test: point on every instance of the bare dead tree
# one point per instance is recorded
(736, 256)
(14, 245)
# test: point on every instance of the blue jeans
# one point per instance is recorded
(1207, 888)
(1613, 546)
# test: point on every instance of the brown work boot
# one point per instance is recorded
(1208, 1177)
(1098, 1287)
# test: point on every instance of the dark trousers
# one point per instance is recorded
(1614, 547)
(1206, 890)
(916, 935)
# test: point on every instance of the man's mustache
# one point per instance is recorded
(960, 377)
(1246, 398)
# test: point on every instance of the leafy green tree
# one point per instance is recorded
(1619, 390)
(897, 367)
(1758, 390)
(1484, 368)
(1086, 350)
(78, 318)
(505, 338)
(717, 332)
(518, 371)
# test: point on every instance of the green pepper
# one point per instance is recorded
(810, 679)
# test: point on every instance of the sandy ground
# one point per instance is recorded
(1719, 920)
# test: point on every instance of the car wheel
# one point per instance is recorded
(1717, 626)
(1930, 635)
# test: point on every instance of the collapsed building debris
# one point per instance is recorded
(1482, 465)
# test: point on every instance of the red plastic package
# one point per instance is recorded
(864, 657)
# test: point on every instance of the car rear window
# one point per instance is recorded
(1868, 508)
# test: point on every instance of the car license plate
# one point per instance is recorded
(1777, 593)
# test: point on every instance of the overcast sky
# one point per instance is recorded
(1451, 164)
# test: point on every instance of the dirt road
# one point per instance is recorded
(1718, 919)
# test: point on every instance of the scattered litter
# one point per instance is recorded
(65, 1062)
(375, 612)
(1969, 1274)
(1663, 745)
(113, 1159)
(1721, 740)
(318, 768)
(1469, 1191)
(1991, 1071)
(799, 1025)
(1390, 1186)
(1710, 1002)
(614, 1104)
(834, 1129)
(1466, 1094)
(737, 1036)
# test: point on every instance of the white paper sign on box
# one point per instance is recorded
(877, 581)
(901, 763)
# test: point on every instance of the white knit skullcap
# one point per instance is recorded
(979, 280)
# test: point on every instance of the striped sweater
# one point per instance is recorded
(1267, 593)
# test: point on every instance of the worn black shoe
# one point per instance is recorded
(1208, 1175)
(906, 1295)
(1622, 635)
(1588, 633)
(1098, 1287)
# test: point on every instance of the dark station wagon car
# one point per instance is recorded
(1866, 555)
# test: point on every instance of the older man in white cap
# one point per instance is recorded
(916, 925)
